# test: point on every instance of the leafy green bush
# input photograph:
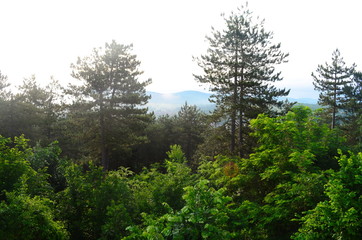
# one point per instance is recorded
(25, 210)
(340, 216)
(204, 216)
(90, 203)
(29, 218)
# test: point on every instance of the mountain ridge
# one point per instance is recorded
(170, 103)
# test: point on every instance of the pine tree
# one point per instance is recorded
(240, 67)
(330, 79)
(4, 84)
(352, 111)
(190, 125)
(111, 96)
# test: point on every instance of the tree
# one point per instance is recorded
(155, 186)
(338, 217)
(352, 111)
(26, 217)
(96, 204)
(204, 216)
(282, 178)
(112, 94)
(3, 85)
(190, 124)
(44, 107)
(240, 67)
(330, 79)
(25, 208)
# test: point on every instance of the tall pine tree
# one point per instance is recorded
(329, 80)
(352, 111)
(112, 99)
(240, 68)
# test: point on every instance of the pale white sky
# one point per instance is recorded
(43, 37)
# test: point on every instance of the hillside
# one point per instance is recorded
(170, 103)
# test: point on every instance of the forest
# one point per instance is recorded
(90, 161)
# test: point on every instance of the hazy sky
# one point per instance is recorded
(45, 37)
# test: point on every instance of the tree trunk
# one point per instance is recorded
(241, 114)
(234, 104)
(104, 157)
(334, 103)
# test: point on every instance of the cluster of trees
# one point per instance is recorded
(102, 117)
(98, 165)
(285, 189)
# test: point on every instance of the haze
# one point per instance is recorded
(45, 37)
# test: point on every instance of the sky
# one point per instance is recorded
(43, 37)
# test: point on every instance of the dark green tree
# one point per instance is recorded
(184, 129)
(214, 138)
(44, 107)
(111, 98)
(190, 122)
(161, 134)
(240, 68)
(329, 80)
(33, 111)
(9, 120)
(352, 112)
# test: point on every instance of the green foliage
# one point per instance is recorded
(109, 103)
(204, 216)
(152, 188)
(176, 155)
(15, 168)
(48, 159)
(13, 163)
(90, 203)
(25, 209)
(215, 139)
(330, 80)
(281, 179)
(30, 218)
(183, 129)
(189, 123)
(338, 217)
(284, 168)
(239, 67)
(34, 111)
(298, 130)
(352, 112)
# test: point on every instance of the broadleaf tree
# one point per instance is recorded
(240, 67)
(114, 97)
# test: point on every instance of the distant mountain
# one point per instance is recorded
(301, 100)
(170, 103)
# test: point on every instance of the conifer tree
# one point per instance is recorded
(240, 68)
(190, 125)
(352, 111)
(4, 84)
(329, 80)
(111, 98)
